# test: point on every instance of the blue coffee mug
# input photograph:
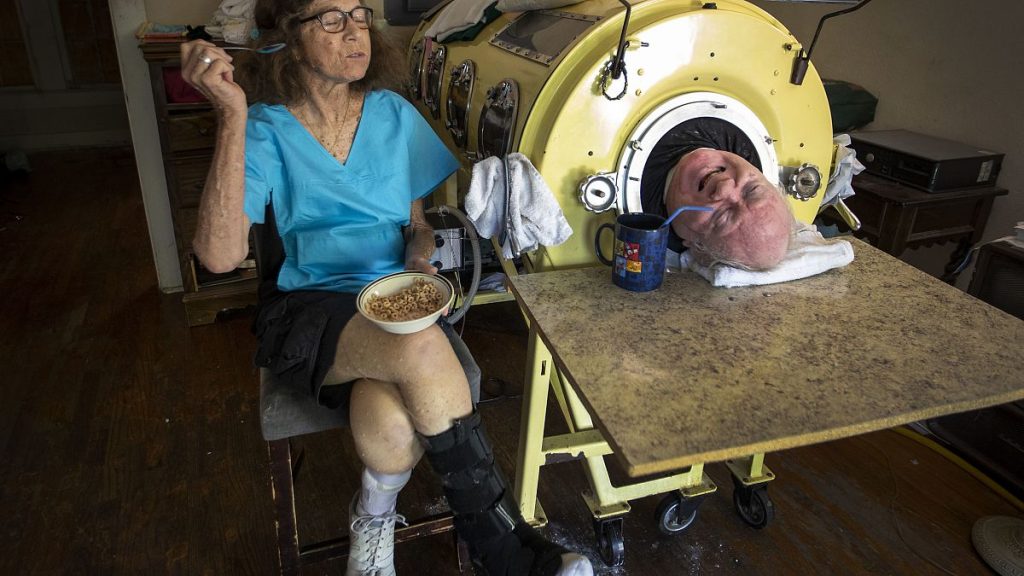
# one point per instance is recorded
(639, 254)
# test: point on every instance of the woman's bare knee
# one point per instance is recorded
(382, 428)
(430, 379)
(366, 351)
(429, 356)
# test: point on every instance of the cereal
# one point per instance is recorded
(417, 301)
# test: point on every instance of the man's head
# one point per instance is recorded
(751, 223)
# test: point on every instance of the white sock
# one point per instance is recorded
(380, 491)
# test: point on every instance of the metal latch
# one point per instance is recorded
(598, 191)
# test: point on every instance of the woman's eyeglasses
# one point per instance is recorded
(334, 21)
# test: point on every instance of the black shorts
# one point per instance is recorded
(298, 336)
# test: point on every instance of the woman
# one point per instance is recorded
(335, 169)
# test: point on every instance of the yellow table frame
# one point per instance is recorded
(585, 442)
(608, 504)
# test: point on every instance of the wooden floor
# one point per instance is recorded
(130, 443)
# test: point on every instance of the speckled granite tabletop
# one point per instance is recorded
(691, 373)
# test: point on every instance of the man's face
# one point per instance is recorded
(750, 224)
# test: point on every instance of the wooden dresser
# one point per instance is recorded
(187, 131)
(897, 216)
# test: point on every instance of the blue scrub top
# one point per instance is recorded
(341, 224)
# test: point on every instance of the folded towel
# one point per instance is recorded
(809, 254)
(532, 216)
(457, 16)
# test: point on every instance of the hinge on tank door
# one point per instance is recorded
(598, 191)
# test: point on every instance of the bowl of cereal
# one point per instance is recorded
(405, 302)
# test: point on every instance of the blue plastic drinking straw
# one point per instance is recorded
(682, 209)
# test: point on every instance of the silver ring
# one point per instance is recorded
(207, 60)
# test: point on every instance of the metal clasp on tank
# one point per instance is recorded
(460, 95)
(801, 182)
(599, 191)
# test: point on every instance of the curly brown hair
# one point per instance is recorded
(276, 78)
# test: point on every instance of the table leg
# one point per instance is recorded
(950, 273)
(750, 479)
(897, 222)
(531, 428)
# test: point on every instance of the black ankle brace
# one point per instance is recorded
(486, 515)
(489, 524)
(463, 458)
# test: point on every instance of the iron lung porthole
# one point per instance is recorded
(672, 114)
(498, 119)
(415, 70)
(435, 71)
(713, 128)
(460, 94)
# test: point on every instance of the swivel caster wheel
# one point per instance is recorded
(609, 540)
(675, 514)
(753, 504)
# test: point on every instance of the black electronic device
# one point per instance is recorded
(453, 250)
(449, 243)
(926, 162)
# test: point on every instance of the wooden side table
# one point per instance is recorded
(895, 217)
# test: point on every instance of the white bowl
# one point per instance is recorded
(395, 283)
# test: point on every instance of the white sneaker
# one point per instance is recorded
(371, 543)
(575, 565)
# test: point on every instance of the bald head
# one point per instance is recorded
(751, 223)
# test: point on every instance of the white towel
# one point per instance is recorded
(233, 21)
(536, 217)
(457, 16)
(809, 254)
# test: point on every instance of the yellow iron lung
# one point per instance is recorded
(683, 57)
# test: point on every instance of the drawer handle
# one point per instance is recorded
(204, 131)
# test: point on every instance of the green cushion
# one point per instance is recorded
(852, 106)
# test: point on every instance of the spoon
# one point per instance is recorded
(268, 49)
(682, 209)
